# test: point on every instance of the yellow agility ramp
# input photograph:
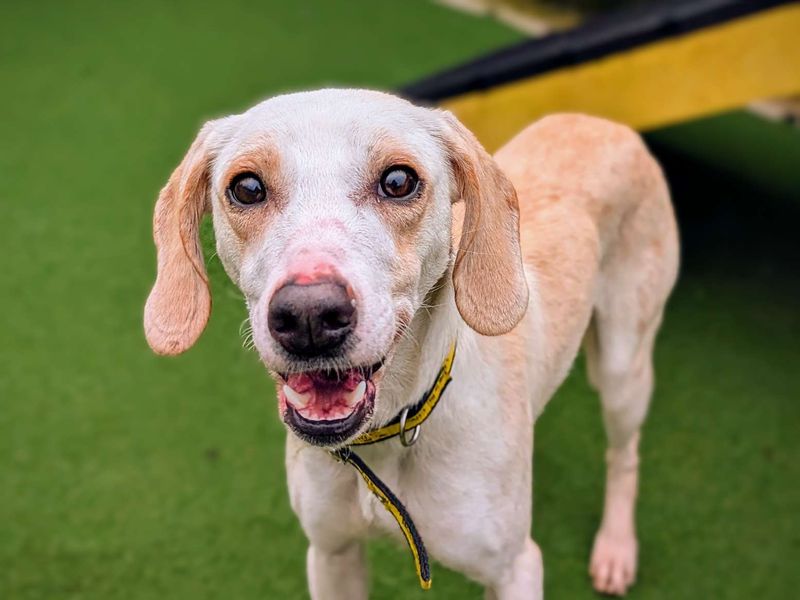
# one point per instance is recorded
(680, 77)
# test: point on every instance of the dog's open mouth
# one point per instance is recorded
(327, 407)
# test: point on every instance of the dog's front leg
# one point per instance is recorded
(337, 575)
(323, 493)
(524, 579)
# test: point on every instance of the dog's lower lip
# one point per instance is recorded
(326, 433)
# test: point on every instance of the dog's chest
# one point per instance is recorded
(377, 519)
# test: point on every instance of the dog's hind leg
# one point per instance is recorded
(620, 367)
(632, 291)
(636, 276)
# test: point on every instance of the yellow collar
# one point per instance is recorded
(416, 415)
(407, 421)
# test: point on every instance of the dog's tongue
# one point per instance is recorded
(320, 395)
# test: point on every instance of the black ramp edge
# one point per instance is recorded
(598, 37)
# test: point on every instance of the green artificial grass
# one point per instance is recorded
(128, 476)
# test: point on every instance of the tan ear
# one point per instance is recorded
(489, 280)
(179, 304)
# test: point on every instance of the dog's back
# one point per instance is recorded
(596, 224)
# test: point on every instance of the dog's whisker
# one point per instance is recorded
(247, 335)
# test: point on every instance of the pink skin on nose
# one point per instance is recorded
(309, 265)
(313, 274)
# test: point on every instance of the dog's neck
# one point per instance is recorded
(420, 352)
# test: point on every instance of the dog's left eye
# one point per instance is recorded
(398, 182)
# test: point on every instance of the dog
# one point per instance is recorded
(370, 237)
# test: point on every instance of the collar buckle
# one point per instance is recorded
(415, 432)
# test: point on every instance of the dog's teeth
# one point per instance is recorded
(357, 394)
(295, 399)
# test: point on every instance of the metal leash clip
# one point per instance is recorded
(414, 432)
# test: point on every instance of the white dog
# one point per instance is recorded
(338, 214)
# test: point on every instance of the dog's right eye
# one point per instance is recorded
(247, 189)
(398, 182)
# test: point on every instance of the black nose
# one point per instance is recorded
(311, 320)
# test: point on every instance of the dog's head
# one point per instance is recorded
(332, 213)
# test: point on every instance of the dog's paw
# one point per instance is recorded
(613, 563)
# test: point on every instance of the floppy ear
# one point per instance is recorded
(489, 280)
(179, 304)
